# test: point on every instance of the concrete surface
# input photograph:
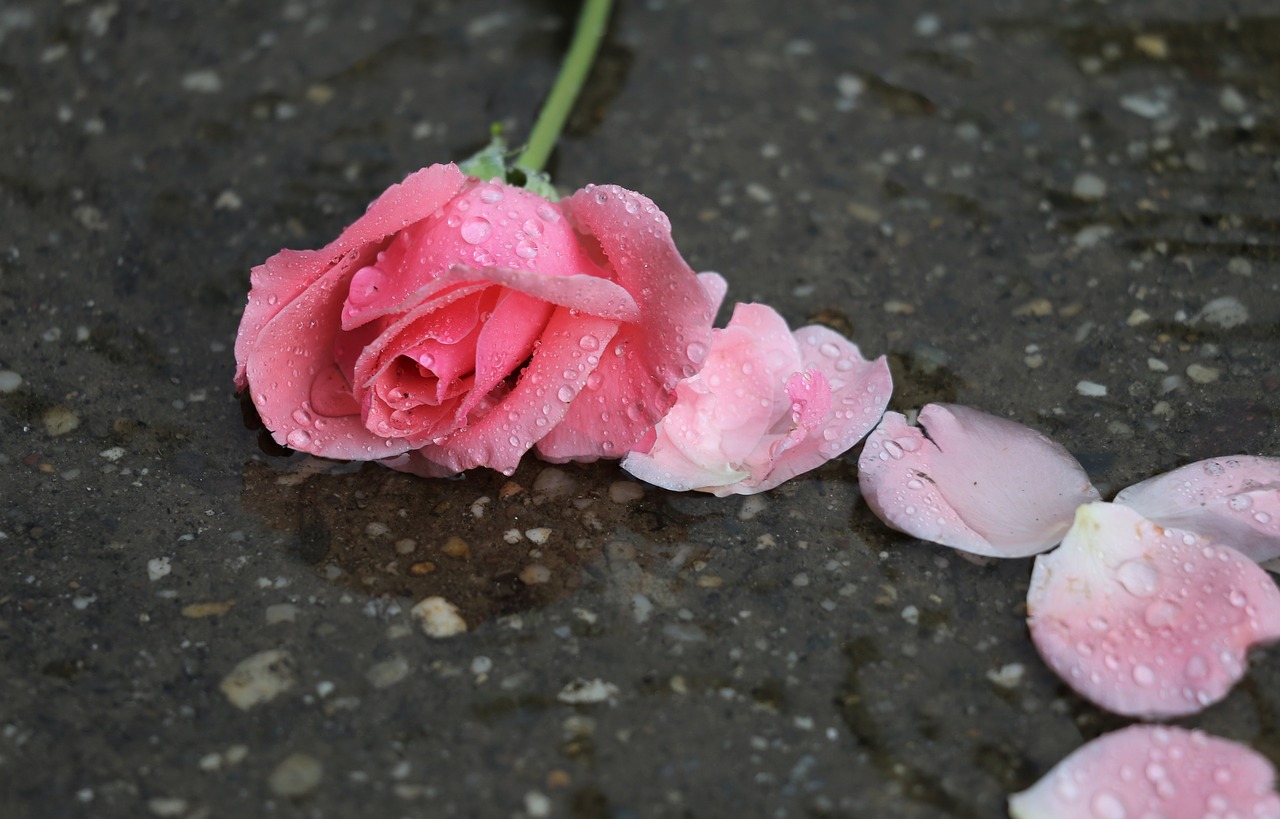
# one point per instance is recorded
(1065, 212)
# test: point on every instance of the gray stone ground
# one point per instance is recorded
(1066, 212)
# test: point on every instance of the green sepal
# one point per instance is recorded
(492, 162)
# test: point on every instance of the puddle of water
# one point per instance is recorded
(489, 544)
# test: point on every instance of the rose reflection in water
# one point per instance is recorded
(489, 544)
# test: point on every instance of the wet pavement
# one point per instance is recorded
(1065, 212)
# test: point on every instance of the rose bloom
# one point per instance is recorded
(459, 323)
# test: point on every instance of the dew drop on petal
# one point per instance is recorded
(696, 352)
(476, 229)
(1240, 502)
(491, 194)
(1161, 613)
(1106, 805)
(526, 249)
(565, 394)
(1138, 577)
(299, 438)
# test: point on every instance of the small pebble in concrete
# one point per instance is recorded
(1201, 374)
(1007, 676)
(582, 691)
(9, 381)
(1091, 389)
(1089, 186)
(439, 618)
(60, 420)
(388, 672)
(259, 678)
(625, 491)
(296, 775)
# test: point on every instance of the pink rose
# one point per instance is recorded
(458, 323)
(768, 405)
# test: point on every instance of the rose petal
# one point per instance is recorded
(485, 226)
(1147, 621)
(859, 392)
(550, 383)
(280, 373)
(715, 287)
(723, 413)
(1233, 500)
(1154, 771)
(760, 410)
(639, 370)
(978, 483)
(278, 281)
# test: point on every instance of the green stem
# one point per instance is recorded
(573, 73)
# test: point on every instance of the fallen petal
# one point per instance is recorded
(972, 481)
(1147, 621)
(1154, 771)
(1234, 501)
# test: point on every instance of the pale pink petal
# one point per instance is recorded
(972, 481)
(859, 393)
(761, 409)
(638, 371)
(1232, 500)
(1154, 772)
(723, 413)
(278, 281)
(1147, 621)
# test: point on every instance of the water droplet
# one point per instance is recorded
(1098, 624)
(1143, 675)
(915, 484)
(1214, 468)
(602, 197)
(476, 229)
(634, 412)
(491, 194)
(483, 257)
(589, 343)
(894, 449)
(1239, 502)
(908, 443)
(1237, 598)
(1161, 613)
(364, 286)
(514, 441)
(548, 213)
(1138, 577)
(532, 227)
(696, 352)
(565, 394)
(1106, 805)
(630, 205)
(299, 439)
(454, 220)
(829, 350)
(526, 249)
(1197, 667)
(303, 417)
(1261, 517)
